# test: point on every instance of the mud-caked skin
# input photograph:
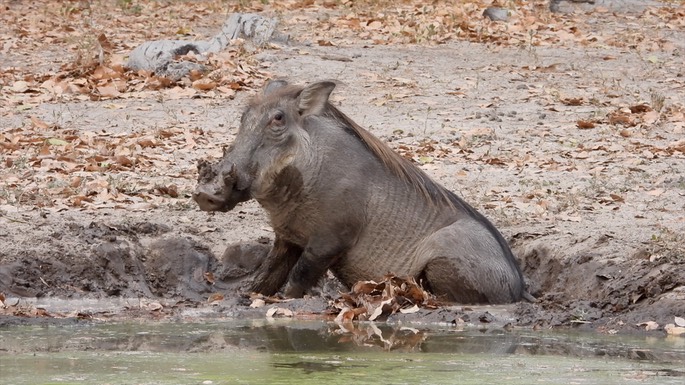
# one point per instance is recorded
(338, 198)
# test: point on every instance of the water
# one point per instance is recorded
(296, 352)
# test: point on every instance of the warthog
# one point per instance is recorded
(338, 198)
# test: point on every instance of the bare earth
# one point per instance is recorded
(572, 142)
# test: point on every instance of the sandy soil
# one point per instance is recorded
(574, 151)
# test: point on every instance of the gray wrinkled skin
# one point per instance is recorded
(338, 198)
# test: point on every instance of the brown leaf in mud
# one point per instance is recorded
(105, 43)
(77, 201)
(585, 124)
(495, 162)
(279, 311)
(75, 182)
(204, 84)
(170, 190)
(39, 123)
(105, 73)
(673, 330)
(153, 306)
(109, 91)
(621, 118)
(410, 310)
(573, 101)
(123, 161)
(209, 277)
(41, 312)
(640, 108)
(257, 302)
(346, 315)
(649, 325)
(215, 297)
(147, 142)
(44, 152)
(650, 117)
(625, 133)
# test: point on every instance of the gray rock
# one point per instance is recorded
(496, 14)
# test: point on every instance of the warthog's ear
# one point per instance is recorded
(273, 85)
(313, 98)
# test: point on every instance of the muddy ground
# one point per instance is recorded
(575, 151)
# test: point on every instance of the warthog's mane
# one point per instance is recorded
(398, 165)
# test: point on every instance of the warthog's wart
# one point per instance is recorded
(340, 199)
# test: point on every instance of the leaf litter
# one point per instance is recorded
(376, 301)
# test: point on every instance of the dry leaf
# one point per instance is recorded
(109, 91)
(39, 123)
(585, 124)
(410, 310)
(649, 325)
(215, 297)
(57, 142)
(257, 302)
(278, 311)
(209, 277)
(573, 101)
(346, 315)
(204, 84)
(152, 306)
(650, 117)
(640, 108)
(673, 330)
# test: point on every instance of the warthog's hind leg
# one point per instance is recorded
(464, 263)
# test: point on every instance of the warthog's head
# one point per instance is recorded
(269, 138)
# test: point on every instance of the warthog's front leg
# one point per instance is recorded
(275, 269)
(305, 274)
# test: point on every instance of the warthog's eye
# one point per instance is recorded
(279, 117)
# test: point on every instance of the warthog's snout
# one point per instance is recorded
(218, 190)
(208, 200)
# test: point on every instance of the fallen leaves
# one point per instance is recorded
(370, 300)
(91, 64)
(676, 328)
(415, 22)
(585, 124)
(85, 169)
